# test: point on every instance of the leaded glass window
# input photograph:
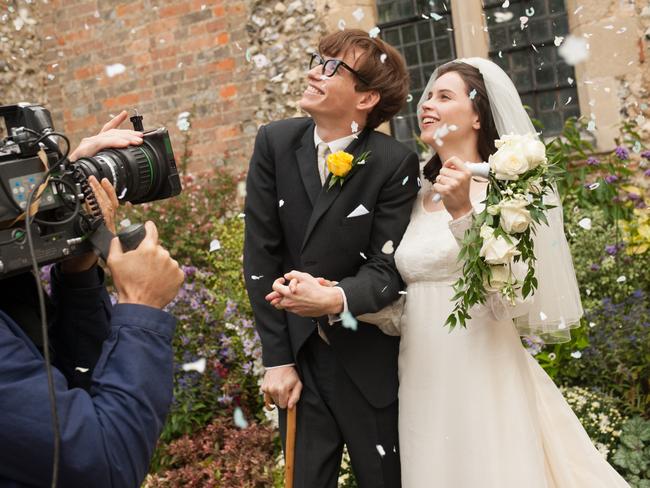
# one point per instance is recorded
(422, 31)
(530, 56)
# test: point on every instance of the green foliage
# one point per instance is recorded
(633, 456)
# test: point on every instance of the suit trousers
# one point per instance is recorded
(332, 413)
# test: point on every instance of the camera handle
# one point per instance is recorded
(130, 238)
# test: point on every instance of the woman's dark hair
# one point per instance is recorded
(488, 132)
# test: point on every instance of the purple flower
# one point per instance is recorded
(611, 178)
(595, 267)
(611, 250)
(646, 172)
(591, 161)
(622, 153)
(634, 196)
(645, 154)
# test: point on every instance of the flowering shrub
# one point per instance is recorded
(598, 415)
(633, 456)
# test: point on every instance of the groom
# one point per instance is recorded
(343, 379)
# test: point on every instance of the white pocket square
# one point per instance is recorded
(358, 212)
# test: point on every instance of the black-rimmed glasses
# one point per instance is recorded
(330, 66)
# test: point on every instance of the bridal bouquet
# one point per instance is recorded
(503, 232)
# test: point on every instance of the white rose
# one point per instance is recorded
(497, 250)
(499, 276)
(506, 139)
(515, 218)
(486, 232)
(535, 151)
(493, 209)
(508, 163)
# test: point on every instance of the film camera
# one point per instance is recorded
(65, 219)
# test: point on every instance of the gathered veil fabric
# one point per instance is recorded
(556, 307)
(475, 408)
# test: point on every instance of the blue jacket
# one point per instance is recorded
(108, 432)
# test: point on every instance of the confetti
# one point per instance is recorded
(409, 98)
(585, 223)
(254, 277)
(403, 292)
(125, 223)
(472, 94)
(593, 186)
(363, 256)
(570, 80)
(562, 324)
(384, 289)
(358, 14)
(383, 57)
(388, 248)
(115, 69)
(198, 366)
(380, 450)
(574, 50)
(341, 24)
(576, 354)
(552, 356)
(123, 194)
(558, 41)
(280, 203)
(542, 316)
(405, 180)
(215, 245)
(523, 20)
(348, 321)
(82, 370)
(568, 101)
(530, 11)
(505, 4)
(501, 17)
(239, 419)
(436, 17)
(355, 127)
(419, 182)
(621, 279)
(374, 32)
(260, 61)
(592, 324)
(183, 121)
(248, 55)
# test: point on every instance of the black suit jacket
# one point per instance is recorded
(311, 232)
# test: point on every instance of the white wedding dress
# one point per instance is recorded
(476, 410)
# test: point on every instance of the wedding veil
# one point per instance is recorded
(556, 306)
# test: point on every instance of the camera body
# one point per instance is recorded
(68, 214)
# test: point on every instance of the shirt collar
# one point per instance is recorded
(337, 144)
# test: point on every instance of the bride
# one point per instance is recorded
(476, 410)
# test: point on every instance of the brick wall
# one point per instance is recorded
(178, 56)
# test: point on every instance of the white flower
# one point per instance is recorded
(497, 250)
(486, 231)
(515, 218)
(493, 209)
(508, 163)
(535, 151)
(499, 277)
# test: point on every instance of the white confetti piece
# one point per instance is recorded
(363, 256)
(82, 370)
(592, 324)
(374, 32)
(530, 11)
(239, 419)
(574, 50)
(354, 126)
(436, 17)
(552, 356)
(198, 366)
(358, 14)
(542, 316)
(341, 24)
(281, 203)
(593, 186)
(115, 69)
(621, 279)
(183, 121)
(501, 17)
(380, 450)
(125, 223)
(383, 57)
(388, 248)
(122, 194)
(419, 182)
(215, 245)
(558, 41)
(570, 80)
(472, 94)
(409, 98)
(254, 277)
(260, 61)
(358, 212)
(562, 324)
(568, 101)
(585, 223)
(384, 289)
(405, 180)
(403, 292)
(576, 354)
(591, 125)
(505, 4)
(348, 321)
(523, 20)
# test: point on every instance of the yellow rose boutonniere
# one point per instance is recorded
(341, 163)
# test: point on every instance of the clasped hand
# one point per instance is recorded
(304, 295)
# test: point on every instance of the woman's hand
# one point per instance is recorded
(453, 184)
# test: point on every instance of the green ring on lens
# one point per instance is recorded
(150, 165)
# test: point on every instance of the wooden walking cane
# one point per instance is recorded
(290, 441)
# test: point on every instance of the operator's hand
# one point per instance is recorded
(284, 386)
(147, 275)
(108, 203)
(109, 136)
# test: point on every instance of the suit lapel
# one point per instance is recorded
(308, 165)
(327, 197)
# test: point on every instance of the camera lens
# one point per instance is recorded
(138, 173)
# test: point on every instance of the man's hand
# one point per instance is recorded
(147, 275)
(305, 295)
(284, 386)
(109, 136)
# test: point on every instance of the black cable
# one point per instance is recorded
(77, 206)
(44, 331)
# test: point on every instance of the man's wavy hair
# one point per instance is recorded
(386, 75)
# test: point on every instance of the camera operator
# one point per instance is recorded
(113, 364)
